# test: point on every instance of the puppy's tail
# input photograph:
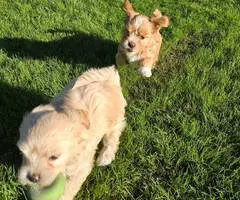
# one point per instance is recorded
(99, 75)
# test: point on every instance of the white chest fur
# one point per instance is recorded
(133, 57)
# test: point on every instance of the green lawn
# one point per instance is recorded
(183, 135)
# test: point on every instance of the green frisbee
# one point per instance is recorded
(52, 192)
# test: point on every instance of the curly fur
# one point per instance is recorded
(62, 136)
(141, 40)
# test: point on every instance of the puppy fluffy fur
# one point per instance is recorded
(62, 137)
(141, 40)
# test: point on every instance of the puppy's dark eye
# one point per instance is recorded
(142, 37)
(53, 157)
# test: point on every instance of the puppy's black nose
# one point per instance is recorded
(131, 44)
(33, 177)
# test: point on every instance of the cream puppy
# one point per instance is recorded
(141, 41)
(62, 136)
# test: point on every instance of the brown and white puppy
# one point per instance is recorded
(62, 136)
(141, 41)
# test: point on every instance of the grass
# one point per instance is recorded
(183, 135)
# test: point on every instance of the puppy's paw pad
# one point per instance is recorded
(104, 159)
(145, 71)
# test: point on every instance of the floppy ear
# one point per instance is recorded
(78, 116)
(42, 108)
(37, 112)
(84, 119)
(30, 118)
(127, 7)
(158, 20)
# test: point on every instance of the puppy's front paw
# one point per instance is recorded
(105, 158)
(145, 71)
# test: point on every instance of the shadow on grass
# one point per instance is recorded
(77, 48)
(14, 102)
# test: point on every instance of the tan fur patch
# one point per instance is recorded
(64, 135)
(141, 40)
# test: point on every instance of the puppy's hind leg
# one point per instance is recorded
(110, 144)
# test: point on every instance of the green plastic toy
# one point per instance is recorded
(52, 192)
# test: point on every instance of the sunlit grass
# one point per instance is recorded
(182, 140)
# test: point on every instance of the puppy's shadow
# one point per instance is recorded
(14, 102)
(75, 48)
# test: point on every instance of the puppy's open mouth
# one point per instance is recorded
(129, 49)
